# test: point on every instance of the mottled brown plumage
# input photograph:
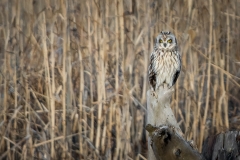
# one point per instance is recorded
(165, 61)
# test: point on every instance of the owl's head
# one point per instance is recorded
(166, 41)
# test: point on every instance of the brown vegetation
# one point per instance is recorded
(73, 74)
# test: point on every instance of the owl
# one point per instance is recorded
(165, 61)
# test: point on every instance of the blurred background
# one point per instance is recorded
(73, 74)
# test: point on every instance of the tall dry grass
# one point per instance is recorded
(73, 74)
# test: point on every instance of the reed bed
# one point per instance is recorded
(73, 74)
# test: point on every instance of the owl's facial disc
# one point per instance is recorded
(167, 43)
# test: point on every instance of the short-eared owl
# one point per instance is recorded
(165, 61)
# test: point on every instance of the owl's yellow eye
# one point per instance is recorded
(160, 41)
(169, 41)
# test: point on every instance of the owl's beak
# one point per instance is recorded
(165, 44)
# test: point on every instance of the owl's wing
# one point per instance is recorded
(176, 75)
(151, 72)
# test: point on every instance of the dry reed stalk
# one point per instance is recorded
(108, 153)
(6, 38)
(141, 157)
(117, 151)
(81, 93)
(52, 82)
(104, 136)
(208, 74)
(117, 48)
(145, 48)
(14, 133)
(123, 119)
(103, 49)
(128, 128)
(48, 80)
(190, 87)
(227, 79)
(175, 97)
(186, 86)
(89, 4)
(216, 82)
(219, 115)
(187, 119)
(100, 84)
(110, 127)
(104, 98)
(14, 56)
(64, 73)
(69, 99)
(121, 31)
(128, 60)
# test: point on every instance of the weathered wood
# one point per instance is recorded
(224, 146)
(159, 112)
(167, 144)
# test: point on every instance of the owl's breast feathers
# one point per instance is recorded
(164, 67)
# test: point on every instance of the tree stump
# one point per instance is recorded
(167, 144)
(224, 146)
(159, 112)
